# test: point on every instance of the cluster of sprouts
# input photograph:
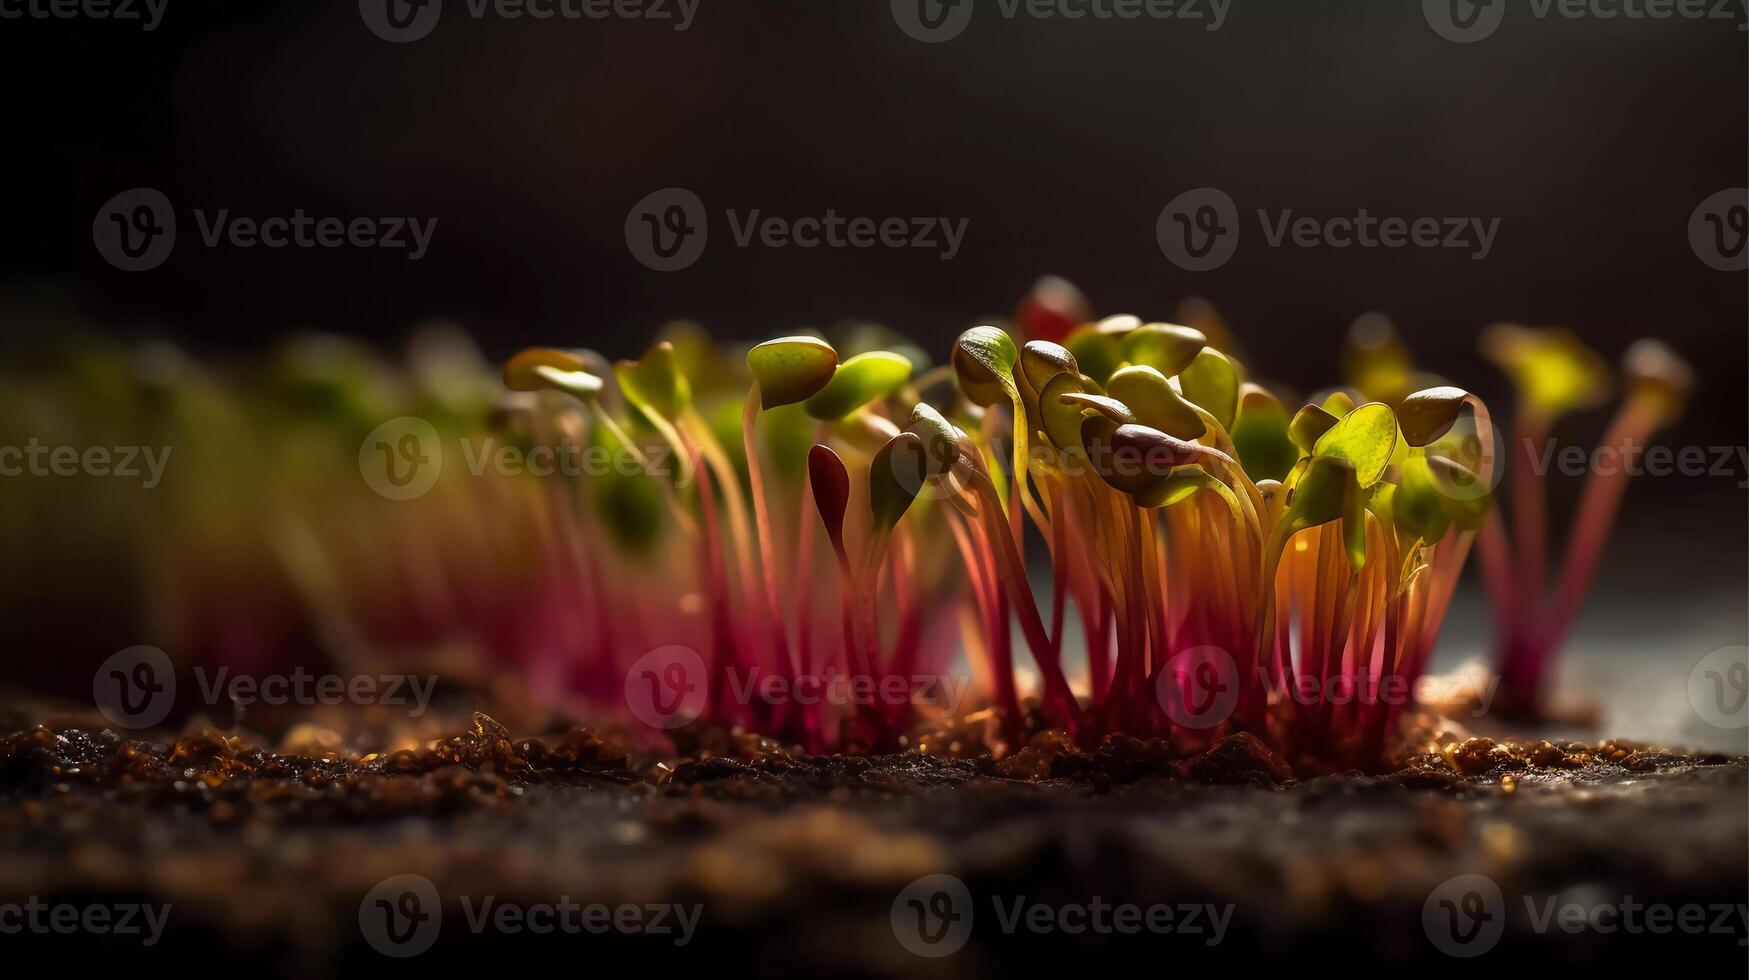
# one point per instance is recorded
(1232, 566)
(1098, 526)
(1554, 374)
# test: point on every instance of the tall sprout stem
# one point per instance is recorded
(1530, 503)
(1598, 505)
(768, 556)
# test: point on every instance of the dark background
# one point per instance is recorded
(529, 141)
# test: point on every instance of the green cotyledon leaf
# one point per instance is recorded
(984, 359)
(791, 369)
(1212, 381)
(1365, 438)
(1260, 434)
(654, 383)
(859, 381)
(1148, 395)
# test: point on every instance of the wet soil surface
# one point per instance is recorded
(743, 858)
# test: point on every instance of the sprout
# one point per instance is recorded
(859, 380)
(1554, 374)
(1151, 398)
(1212, 381)
(1165, 347)
(791, 369)
(1364, 439)
(1260, 434)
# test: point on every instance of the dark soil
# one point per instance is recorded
(796, 862)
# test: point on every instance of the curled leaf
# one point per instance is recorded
(1141, 457)
(1418, 509)
(1212, 381)
(1059, 417)
(1040, 361)
(939, 437)
(859, 381)
(1260, 434)
(1151, 399)
(654, 383)
(1365, 438)
(984, 359)
(545, 367)
(1165, 347)
(791, 369)
(895, 478)
(1309, 425)
(1097, 354)
(1428, 414)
